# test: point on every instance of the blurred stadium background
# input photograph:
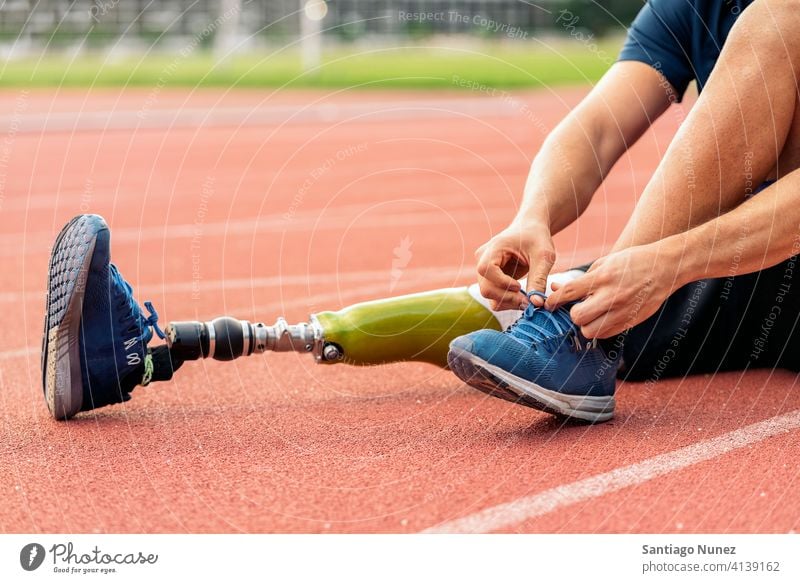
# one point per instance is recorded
(308, 42)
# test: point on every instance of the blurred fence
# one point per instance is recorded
(87, 24)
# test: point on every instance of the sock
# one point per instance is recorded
(164, 364)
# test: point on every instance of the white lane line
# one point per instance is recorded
(377, 215)
(20, 352)
(256, 283)
(511, 513)
(458, 273)
(362, 292)
(257, 115)
(39, 241)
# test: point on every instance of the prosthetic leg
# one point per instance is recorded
(96, 345)
(415, 327)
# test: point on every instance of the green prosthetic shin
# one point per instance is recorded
(416, 327)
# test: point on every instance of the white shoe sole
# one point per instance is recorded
(497, 382)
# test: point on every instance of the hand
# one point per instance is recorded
(510, 255)
(620, 290)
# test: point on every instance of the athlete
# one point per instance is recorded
(700, 280)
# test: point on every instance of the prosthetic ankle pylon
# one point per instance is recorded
(416, 327)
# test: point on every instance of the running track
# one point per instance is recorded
(259, 205)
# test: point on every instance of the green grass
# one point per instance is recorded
(526, 65)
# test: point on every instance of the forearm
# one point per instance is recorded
(628, 286)
(759, 233)
(579, 153)
(565, 174)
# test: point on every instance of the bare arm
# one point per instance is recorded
(628, 286)
(577, 156)
(572, 163)
(757, 234)
(734, 133)
(683, 229)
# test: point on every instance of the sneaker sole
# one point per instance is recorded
(68, 270)
(496, 382)
(459, 362)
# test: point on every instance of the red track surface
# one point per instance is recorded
(245, 208)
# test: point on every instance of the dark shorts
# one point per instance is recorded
(713, 325)
(735, 323)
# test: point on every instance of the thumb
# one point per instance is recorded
(540, 269)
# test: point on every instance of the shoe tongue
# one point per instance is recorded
(546, 320)
(122, 287)
(117, 281)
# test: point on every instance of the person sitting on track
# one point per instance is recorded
(676, 277)
(701, 279)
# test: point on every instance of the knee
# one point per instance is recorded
(763, 47)
(769, 29)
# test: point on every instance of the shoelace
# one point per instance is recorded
(145, 324)
(526, 331)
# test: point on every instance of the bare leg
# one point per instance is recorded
(743, 129)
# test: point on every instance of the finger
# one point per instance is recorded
(502, 298)
(497, 278)
(576, 289)
(510, 301)
(607, 325)
(542, 263)
(590, 309)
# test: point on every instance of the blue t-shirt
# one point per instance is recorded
(681, 38)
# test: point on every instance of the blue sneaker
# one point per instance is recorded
(542, 361)
(94, 348)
